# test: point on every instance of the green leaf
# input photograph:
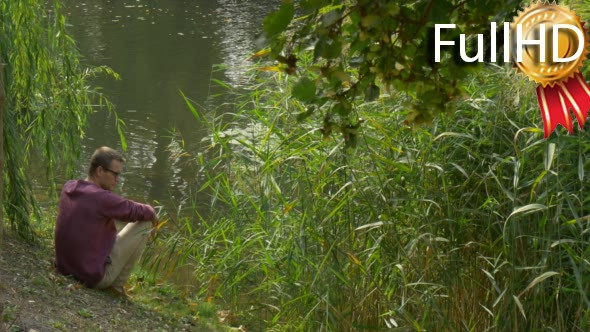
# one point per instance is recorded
(320, 47)
(370, 21)
(441, 9)
(371, 93)
(519, 305)
(304, 90)
(120, 125)
(538, 280)
(331, 17)
(356, 61)
(220, 83)
(304, 115)
(332, 50)
(276, 45)
(314, 4)
(581, 168)
(392, 9)
(278, 21)
(190, 106)
(549, 156)
(530, 208)
(343, 108)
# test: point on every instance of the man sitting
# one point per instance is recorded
(87, 245)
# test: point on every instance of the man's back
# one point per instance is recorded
(85, 232)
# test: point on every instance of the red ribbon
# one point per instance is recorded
(555, 103)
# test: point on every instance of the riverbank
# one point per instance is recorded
(33, 297)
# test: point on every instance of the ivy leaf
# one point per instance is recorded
(278, 21)
(304, 90)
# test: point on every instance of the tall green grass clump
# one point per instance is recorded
(474, 223)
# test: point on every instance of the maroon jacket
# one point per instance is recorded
(85, 232)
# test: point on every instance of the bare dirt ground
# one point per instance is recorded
(33, 297)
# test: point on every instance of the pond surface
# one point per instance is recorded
(161, 47)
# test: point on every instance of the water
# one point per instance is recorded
(161, 47)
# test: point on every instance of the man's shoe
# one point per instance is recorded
(120, 292)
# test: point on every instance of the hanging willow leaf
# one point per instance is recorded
(48, 102)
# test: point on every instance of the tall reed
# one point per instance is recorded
(475, 223)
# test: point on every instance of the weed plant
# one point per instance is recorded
(475, 223)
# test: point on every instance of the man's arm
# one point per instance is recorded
(116, 207)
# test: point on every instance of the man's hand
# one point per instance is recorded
(153, 211)
(155, 222)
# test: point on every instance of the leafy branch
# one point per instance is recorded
(358, 51)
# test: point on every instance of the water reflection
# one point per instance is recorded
(238, 34)
(160, 47)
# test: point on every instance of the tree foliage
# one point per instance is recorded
(48, 100)
(361, 49)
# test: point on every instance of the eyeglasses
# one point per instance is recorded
(116, 174)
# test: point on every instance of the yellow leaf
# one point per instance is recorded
(288, 208)
(270, 68)
(260, 53)
(160, 225)
(353, 259)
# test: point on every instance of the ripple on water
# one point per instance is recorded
(238, 34)
(161, 47)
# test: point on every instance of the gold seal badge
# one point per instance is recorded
(548, 73)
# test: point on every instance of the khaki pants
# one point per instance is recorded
(129, 245)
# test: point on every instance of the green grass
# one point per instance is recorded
(34, 295)
(168, 299)
(8, 314)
